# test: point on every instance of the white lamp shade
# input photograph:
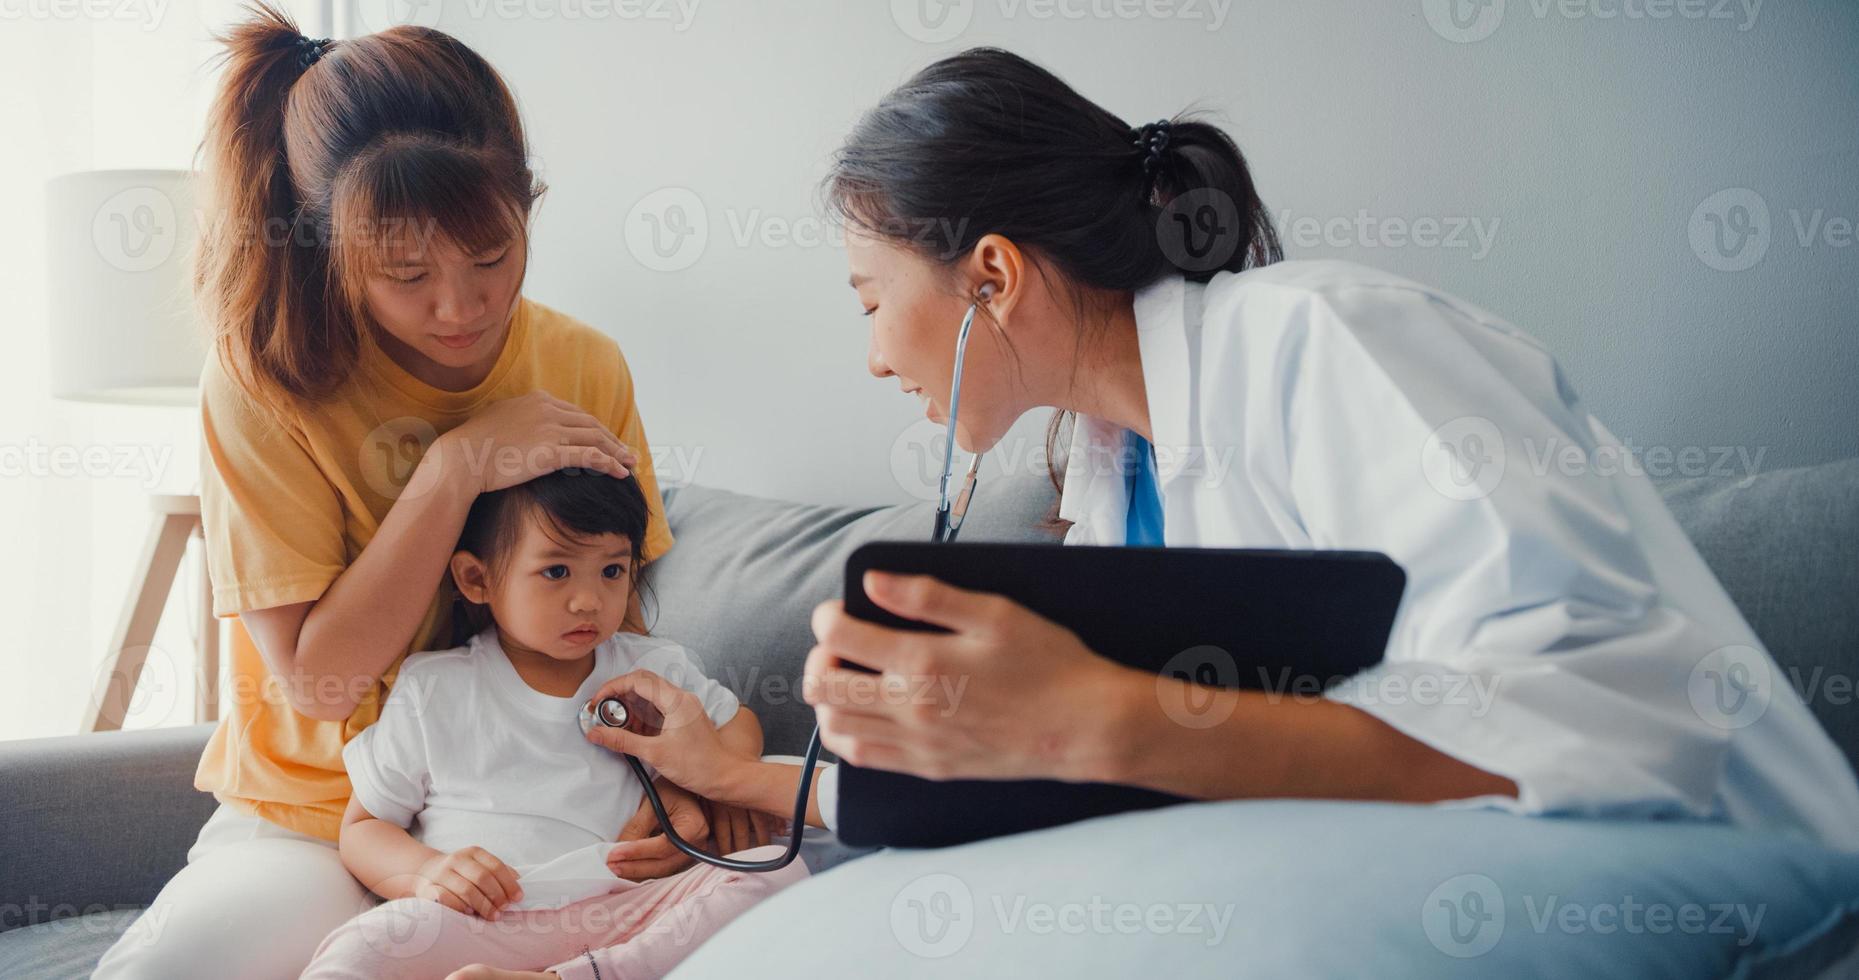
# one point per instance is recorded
(123, 328)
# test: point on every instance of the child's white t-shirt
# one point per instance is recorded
(467, 753)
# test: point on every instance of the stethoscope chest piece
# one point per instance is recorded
(607, 712)
(633, 713)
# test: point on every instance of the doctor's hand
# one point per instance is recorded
(688, 750)
(736, 829)
(643, 850)
(1007, 695)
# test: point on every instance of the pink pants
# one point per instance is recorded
(640, 932)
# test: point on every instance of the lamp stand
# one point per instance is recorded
(176, 520)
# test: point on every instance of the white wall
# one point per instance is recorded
(1582, 144)
(87, 87)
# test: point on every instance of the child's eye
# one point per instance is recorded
(493, 263)
(613, 571)
(550, 572)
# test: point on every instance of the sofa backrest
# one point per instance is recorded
(739, 586)
(1785, 545)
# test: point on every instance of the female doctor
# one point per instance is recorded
(1560, 648)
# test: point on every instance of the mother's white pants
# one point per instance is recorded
(254, 901)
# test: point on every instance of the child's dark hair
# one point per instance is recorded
(571, 504)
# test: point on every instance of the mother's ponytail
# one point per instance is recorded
(322, 158)
(261, 285)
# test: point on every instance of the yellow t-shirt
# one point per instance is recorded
(287, 508)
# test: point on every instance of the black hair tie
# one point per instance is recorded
(1152, 140)
(310, 49)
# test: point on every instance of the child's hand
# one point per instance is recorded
(471, 880)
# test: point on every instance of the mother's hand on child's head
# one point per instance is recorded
(644, 851)
(540, 432)
(687, 751)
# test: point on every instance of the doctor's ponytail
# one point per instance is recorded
(986, 142)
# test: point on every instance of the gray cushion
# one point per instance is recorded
(96, 821)
(96, 824)
(739, 586)
(1785, 545)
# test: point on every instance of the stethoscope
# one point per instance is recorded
(615, 713)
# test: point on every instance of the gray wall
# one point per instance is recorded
(1588, 148)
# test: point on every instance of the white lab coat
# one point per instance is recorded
(1312, 404)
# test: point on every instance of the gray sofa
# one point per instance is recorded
(96, 823)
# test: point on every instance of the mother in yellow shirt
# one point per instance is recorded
(375, 368)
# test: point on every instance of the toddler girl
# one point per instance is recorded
(479, 810)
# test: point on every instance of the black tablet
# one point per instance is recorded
(1292, 622)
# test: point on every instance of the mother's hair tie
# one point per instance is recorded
(1152, 140)
(310, 49)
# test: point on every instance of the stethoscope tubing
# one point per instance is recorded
(946, 528)
(736, 864)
